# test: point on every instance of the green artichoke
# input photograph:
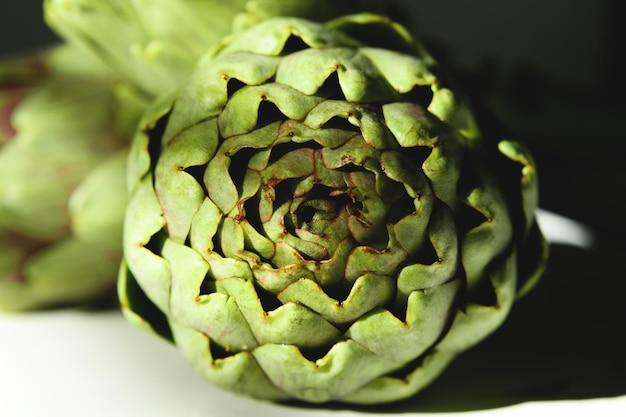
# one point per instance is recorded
(62, 176)
(154, 44)
(18, 76)
(316, 215)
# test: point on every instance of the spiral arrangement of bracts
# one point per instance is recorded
(316, 217)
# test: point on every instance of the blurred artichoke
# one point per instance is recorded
(152, 44)
(155, 44)
(62, 168)
(315, 215)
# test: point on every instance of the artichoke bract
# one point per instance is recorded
(62, 180)
(316, 215)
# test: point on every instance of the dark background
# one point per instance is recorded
(22, 26)
(575, 40)
(553, 72)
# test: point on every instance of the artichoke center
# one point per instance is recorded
(322, 207)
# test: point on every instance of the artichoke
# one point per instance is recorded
(142, 41)
(62, 171)
(155, 44)
(18, 76)
(316, 215)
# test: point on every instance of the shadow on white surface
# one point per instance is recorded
(560, 352)
(72, 363)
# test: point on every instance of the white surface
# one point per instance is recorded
(71, 363)
(564, 231)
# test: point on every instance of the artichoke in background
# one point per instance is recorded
(151, 44)
(316, 216)
(18, 76)
(155, 44)
(62, 168)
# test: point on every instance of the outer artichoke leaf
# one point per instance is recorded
(218, 316)
(518, 152)
(328, 109)
(411, 230)
(402, 72)
(378, 30)
(137, 307)
(422, 222)
(453, 110)
(399, 169)
(355, 151)
(443, 171)
(180, 193)
(239, 372)
(294, 164)
(388, 389)
(215, 314)
(202, 137)
(444, 241)
(327, 137)
(340, 372)
(242, 110)
(476, 321)
(206, 92)
(140, 158)
(204, 226)
(288, 324)
(413, 126)
(428, 316)
(375, 133)
(532, 254)
(359, 81)
(271, 36)
(308, 70)
(369, 292)
(476, 254)
(261, 138)
(189, 271)
(151, 271)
